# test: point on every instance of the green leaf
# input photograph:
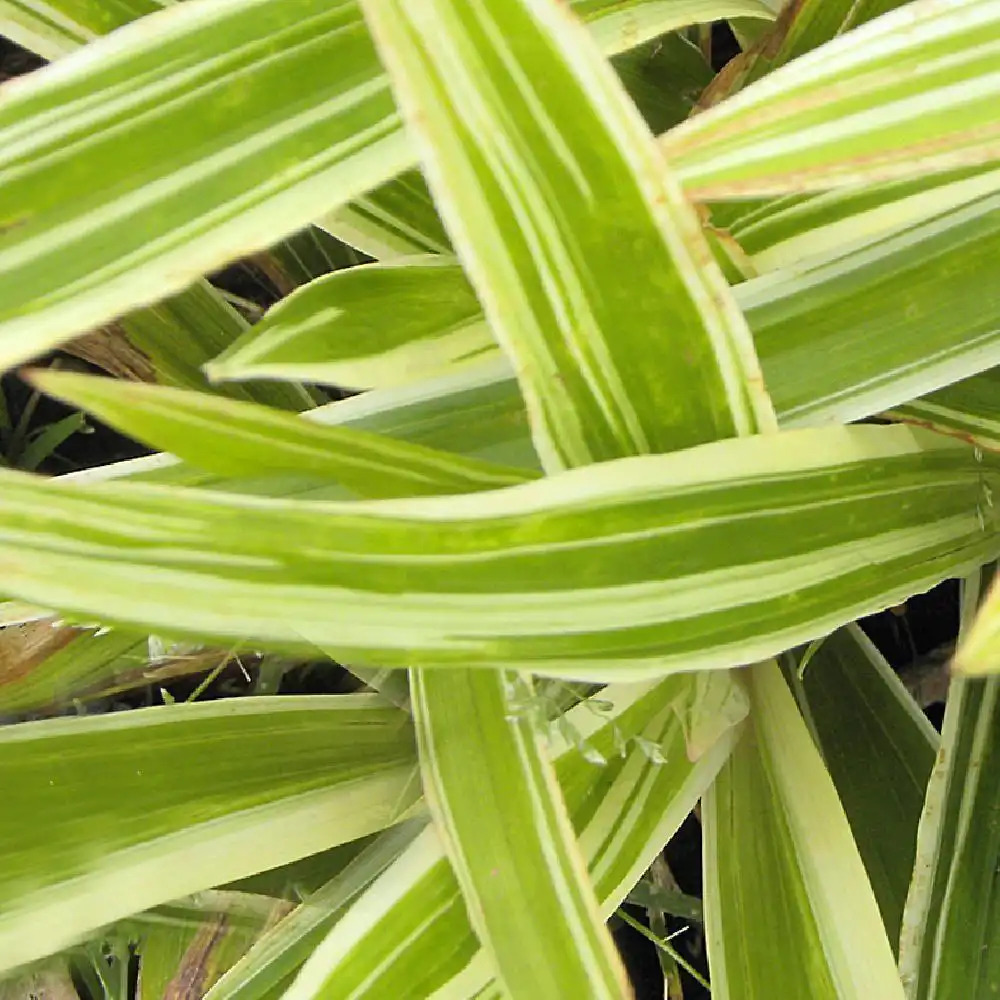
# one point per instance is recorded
(181, 333)
(909, 93)
(800, 28)
(276, 956)
(42, 666)
(337, 330)
(789, 910)
(968, 410)
(49, 438)
(947, 946)
(232, 438)
(979, 651)
(306, 255)
(859, 310)
(50, 981)
(879, 749)
(664, 78)
(704, 558)
(781, 232)
(186, 957)
(624, 24)
(271, 138)
(554, 322)
(395, 219)
(515, 832)
(136, 808)
(532, 267)
(623, 812)
(53, 28)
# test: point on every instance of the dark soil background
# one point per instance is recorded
(905, 635)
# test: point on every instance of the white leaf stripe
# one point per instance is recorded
(949, 920)
(859, 954)
(53, 28)
(330, 327)
(631, 24)
(642, 565)
(782, 232)
(787, 874)
(282, 948)
(166, 72)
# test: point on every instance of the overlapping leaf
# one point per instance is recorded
(894, 319)
(967, 409)
(202, 131)
(263, 138)
(43, 666)
(531, 184)
(535, 199)
(418, 900)
(274, 959)
(54, 28)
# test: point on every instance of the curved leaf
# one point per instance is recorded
(707, 557)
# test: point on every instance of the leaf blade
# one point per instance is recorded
(916, 500)
(59, 883)
(795, 133)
